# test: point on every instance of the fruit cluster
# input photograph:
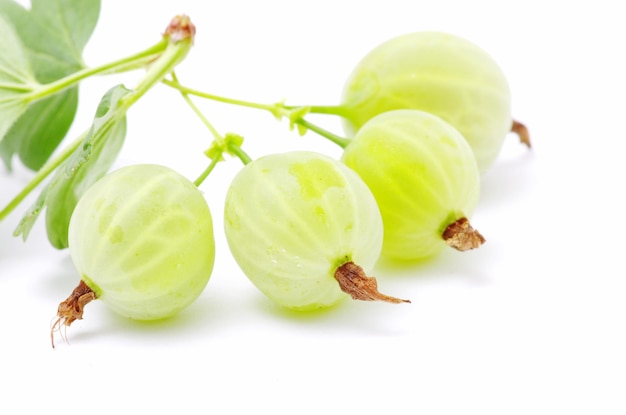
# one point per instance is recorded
(424, 114)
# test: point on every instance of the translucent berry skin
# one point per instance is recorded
(292, 219)
(142, 239)
(423, 175)
(438, 73)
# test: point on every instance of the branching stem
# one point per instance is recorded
(220, 144)
(216, 135)
(191, 91)
(279, 110)
(170, 52)
(126, 64)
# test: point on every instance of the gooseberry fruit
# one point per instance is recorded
(424, 178)
(142, 240)
(439, 73)
(304, 229)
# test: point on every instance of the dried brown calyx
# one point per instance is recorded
(522, 132)
(72, 308)
(353, 281)
(461, 236)
(180, 28)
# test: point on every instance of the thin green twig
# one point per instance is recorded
(278, 110)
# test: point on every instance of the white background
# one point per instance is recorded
(530, 323)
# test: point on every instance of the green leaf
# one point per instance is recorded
(89, 162)
(54, 33)
(40, 130)
(16, 77)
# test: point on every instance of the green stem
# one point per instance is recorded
(338, 110)
(277, 110)
(175, 51)
(41, 174)
(218, 98)
(340, 141)
(206, 171)
(232, 148)
(238, 151)
(216, 135)
(122, 65)
(164, 65)
(219, 141)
